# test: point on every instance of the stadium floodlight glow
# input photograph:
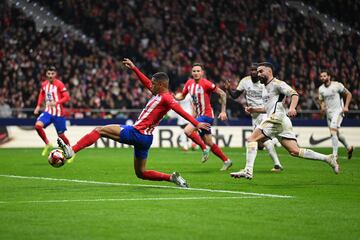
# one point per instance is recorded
(42, 9)
(34, 4)
(17, 4)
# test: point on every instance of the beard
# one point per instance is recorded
(262, 79)
(254, 78)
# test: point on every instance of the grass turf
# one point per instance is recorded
(324, 206)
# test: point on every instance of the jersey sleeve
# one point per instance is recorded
(145, 80)
(62, 87)
(41, 97)
(340, 87)
(285, 89)
(241, 85)
(209, 86)
(171, 102)
(185, 90)
(321, 97)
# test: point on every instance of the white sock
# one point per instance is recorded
(251, 151)
(310, 154)
(343, 141)
(276, 142)
(183, 141)
(269, 145)
(335, 143)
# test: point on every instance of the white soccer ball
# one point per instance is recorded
(56, 158)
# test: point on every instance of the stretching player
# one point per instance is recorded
(277, 124)
(330, 93)
(140, 135)
(55, 94)
(200, 90)
(253, 89)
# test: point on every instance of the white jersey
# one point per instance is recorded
(273, 96)
(253, 91)
(187, 105)
(331, 96)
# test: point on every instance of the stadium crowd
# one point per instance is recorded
(227, 36)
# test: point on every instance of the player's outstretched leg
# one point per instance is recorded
(141, 172)
(349, 148)
(247, 172)
(292, 147)
(39, 127)
(227, 163)
(270, 147)
(334, 141)
(190, 131)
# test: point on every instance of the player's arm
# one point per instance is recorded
(348, 96)
(144, 80)
(39, 102)
(222, 96)
(177, 108)
(181, 95)
(65, 98)
(255, 110)
(233, 93)
(285, 89)
(321, 103)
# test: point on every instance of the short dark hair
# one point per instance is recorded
(266, 64)
(198, 65)
(327, 71)
(51, 68)
(160, 76)
(254, 65)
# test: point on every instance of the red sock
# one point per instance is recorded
(64, 138)
(196, 138)
(86, 140)
(156, 176)
(217, 151)
(41, 132)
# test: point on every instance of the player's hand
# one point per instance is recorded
(128, 63)
(203, 125)
(223, 116)
(179, 96)
(292, 112)
(345, 110)
(227, 84)
(37, 110)
(249, 110)
(51, 104)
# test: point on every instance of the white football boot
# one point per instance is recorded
(245, 173)
(205, 155)
(227, 165)
(332, 161)
(68, 152)
(179, 180)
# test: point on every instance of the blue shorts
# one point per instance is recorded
(141, 142)
(207, 120)
(59, 122)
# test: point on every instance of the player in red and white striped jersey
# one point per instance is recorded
(55, 94)
(200, 90)
(140, 135)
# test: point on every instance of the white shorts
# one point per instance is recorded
(257, 120)
(334, 119)
(275, 128)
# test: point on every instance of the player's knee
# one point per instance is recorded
(139, 174)
(99, 130)
(294, 152)
(188, 132)
(38, 126)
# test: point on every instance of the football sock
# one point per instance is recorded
(335, 143)
(343, 141)
(41, 132)
(196, 138)
(251, 151)
(183, 141)
(86, 140)
(310, 154)
(269, 145)
(217, 151)
(64, 138)
(156, 176)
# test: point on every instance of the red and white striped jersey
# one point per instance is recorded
(53, 92)
(157, 108)
(200, 93)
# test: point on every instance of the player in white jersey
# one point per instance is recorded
(331, 102)
(253, 89)
(277, 124)
(187, 105)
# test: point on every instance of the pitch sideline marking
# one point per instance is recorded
(145, 185)
(126, 199)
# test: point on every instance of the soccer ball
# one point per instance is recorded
(56, 158)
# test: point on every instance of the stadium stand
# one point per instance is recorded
(225, 35)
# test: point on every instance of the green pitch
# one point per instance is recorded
(306, 201)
